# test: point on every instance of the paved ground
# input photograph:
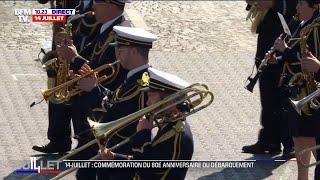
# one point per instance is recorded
(201, 41)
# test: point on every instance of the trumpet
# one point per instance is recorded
(197, 96)
(63, 92)
(57, 68)
(298, 105)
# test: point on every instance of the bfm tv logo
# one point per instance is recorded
(43, 167)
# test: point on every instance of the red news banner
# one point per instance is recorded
(51, 15)
(49, 18)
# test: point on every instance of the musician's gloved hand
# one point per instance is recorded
(106, 154)
(88, 83)
(144, 124)
(310, 63)
(67, 52)
(264, 5)
(280, 45)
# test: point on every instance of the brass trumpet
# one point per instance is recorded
(57, 66)
(63, 92)
(197, 96)
(298, 105)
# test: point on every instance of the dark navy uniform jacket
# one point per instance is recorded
(271, 28)
(125, 100)
(173, 141)
(84, 29)
(307, 126)
(290, 55)
(98, 52)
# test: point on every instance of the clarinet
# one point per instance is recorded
(262, 67)
(264, 62)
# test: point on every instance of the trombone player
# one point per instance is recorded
(132, 50)
(173, 140)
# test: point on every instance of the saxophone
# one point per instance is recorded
(305, 80)
(59, 67)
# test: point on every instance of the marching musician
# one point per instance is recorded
(132, 50)
(312, 65)
(58, 114)
(86, 28)
(268, 27)
(96, 53)
(173, 140)
(304, 128)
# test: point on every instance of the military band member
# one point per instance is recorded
(59, 140)
(274, 125)
(173, 140)
(96, 53)
(304, 128)
(312, 65)
(84, 29)
(132, 50)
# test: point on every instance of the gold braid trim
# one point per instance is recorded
(141, 105)
(98, 49)
(89, 25)
(178, 128)
(92, 26)
(176, 151)
(118, 99)
(141, 83)
(141, 100)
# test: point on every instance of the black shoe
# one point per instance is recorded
(52, 148)
(260, 148)
(288, 153)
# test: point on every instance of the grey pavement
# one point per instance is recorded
(201, 41)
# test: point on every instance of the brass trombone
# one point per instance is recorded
(68, 89)
(197, 96)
